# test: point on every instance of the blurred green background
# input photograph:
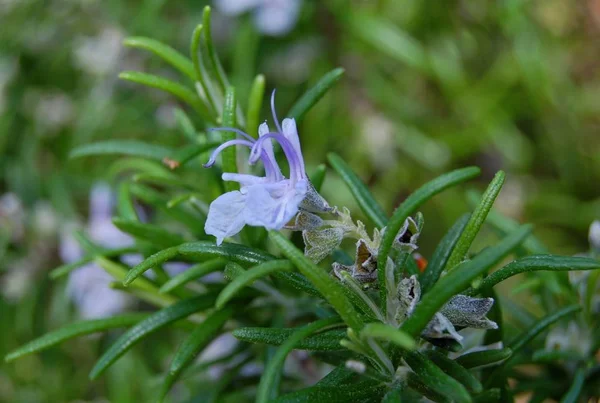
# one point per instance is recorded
(511, 85)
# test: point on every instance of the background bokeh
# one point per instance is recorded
(511, 85)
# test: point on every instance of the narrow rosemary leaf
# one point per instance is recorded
(228, 155)
(186, 154)
(317, 177)
(125, 207)
(361, 193)
(122, 147)
(199, 68)
(455, 370)
(324, 341)
(330, 289)
(394, 395)
(149, 232)
(176, 89)
(476, 221)
(73, 330)
(67, 268)
(389, 333)
(154, 322)
(152, 261)
(338, 376)
(137, 165)
(268, 381)
(505, 225)
(521, 341)
(192, 273)
(572, 395)
(255, 101)
(414, 382)
(212, 53)
(355, 392)
(165, 52)
(387, 38)
(441, 254)
(459, 279)
(230, 251)
(488, 396)
(184, 123)
(313, 95)
(408, 207)
(249, 276)
(537, 263)
(202, 335)
(435, 379)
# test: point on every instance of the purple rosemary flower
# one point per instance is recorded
(269, 201)
(271, 17)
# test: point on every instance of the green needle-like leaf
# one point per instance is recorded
(537, 263)
(268, 382)
(67, 268)
(122, 147)
(356, 392)
(194, 344)
(165, 52)
(521, 341)
(324, 341)
(572, 395)
(212, 53)
(176, 89)
(255, 101)
(388, 333)
(246, 256)
(228, 155)
(455, 370)
(441, 254)
(249, 276)
(476, 221)
(408, 207)
(74, 330)
(154, 322)
(148, 232)
(153, 261)
(313, 95)
(479, 359)
(436, 379)
(330, 289)
(125, 207)
(459, 279)
(361, 193)
(192, 273)
(200, 69)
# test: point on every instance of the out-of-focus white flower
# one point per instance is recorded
(99, 55)
(12, 216)
(51, 110)
(594, 236)
(8, 68)
(272, 17)
(89, 286)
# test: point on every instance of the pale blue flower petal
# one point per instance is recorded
(226, 215)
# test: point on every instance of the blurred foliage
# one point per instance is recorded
(509, 85)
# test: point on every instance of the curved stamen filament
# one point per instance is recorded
(217, 151)
(277, 125)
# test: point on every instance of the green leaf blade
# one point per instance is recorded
(165, 52)
(313, 95)
(486, 358)
(152, 261)
(389, 333)
(192, 273)
(122, 147)
(268, 381)
(361, 193)
(249, 276)
(154, 322)
(323, 341)
(73, 330)
(476, 221)
(330, 289)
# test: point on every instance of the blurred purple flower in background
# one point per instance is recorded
(272, 17)
(89, 286)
